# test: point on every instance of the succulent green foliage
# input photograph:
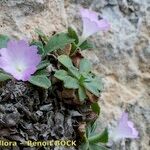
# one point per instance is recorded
(96, 108)
(40, 77)
(43, 39)
(85, 66)
(81, 79)
(42, 72)
(3, 40)
(41, 81)
(43, 64)
(86, 45)
(46, 45)
(4, 76)
(77, 44)
(73, 34)
(102, 138)
(58, 41)
(94, 141)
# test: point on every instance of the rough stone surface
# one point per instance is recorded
(122, 55)
(19, 18)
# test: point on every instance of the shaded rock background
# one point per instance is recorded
(122, 55)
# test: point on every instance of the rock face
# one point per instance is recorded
(19, 18)
(122, 55)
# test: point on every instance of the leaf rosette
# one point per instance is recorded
(82, 79)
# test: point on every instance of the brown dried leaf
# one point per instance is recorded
(82, 129)
(91, 116)
(91, 97)
(65, 51)
(76, 59)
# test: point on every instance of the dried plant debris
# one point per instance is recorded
(30, 113)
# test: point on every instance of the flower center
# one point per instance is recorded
(20, 68)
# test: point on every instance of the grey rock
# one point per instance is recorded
(19, 18)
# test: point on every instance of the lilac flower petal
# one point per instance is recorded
(28, 72)
(125, 129)
(19, 59)
(91, 22)
(134, 131)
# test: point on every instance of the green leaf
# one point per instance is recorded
(58, 41)
(90, 130)
(81, 93)
(97, 81)
(41, 81)
(42, 72)
(72, 33)
(92, 140)
(65, 60)
(4, 77)
(86, 45)
(3, 41)
(92, 88)
(85, 65)
(74, 48)
(88, 77)
(102, 138)
(61, 74)
(71, 83)
(43, 64)
(96, 108)
(74, 71)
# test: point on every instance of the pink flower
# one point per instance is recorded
(19, 59)
(125, 129)
(92, 23)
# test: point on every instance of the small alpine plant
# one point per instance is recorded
(58, 60)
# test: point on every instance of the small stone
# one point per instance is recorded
(46, 107)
